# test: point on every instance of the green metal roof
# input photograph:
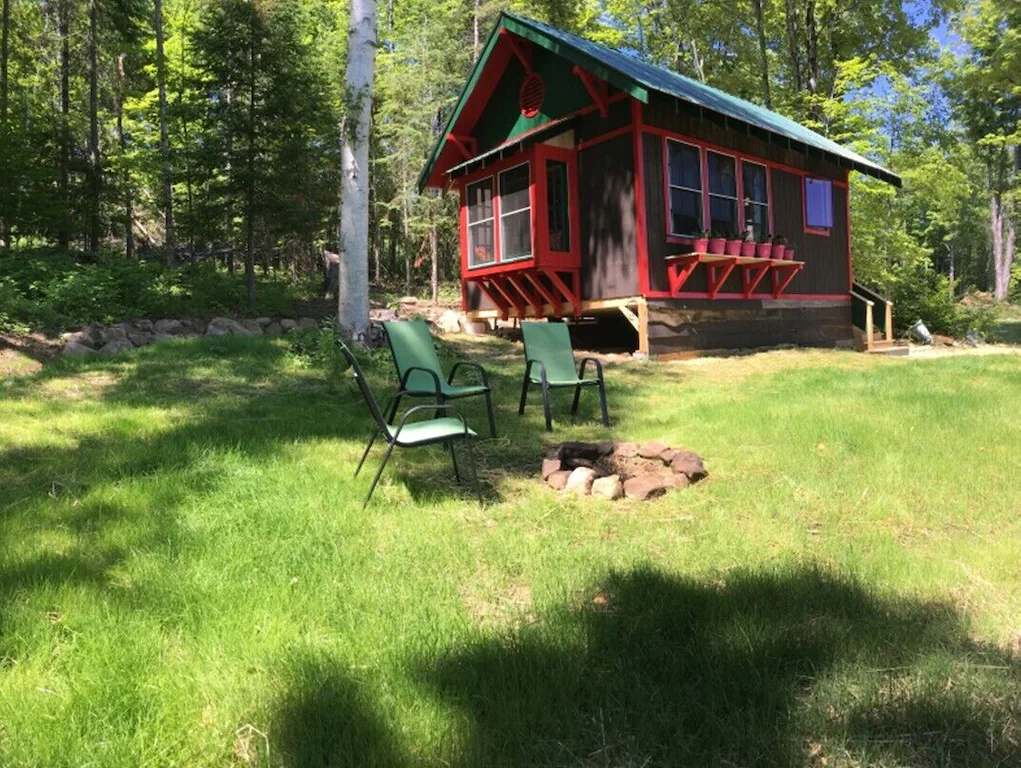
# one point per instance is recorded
(638, 78)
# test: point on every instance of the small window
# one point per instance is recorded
(756, 200)
(557, 206)
(685, 182)
(481, 249)
(515, 214)
(723, 194)
(819, 204)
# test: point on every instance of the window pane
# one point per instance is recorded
(754, 182)
(685, 170)
(723, 215)
(514, 189)
(516, 235)
(480, 244)
(819, 203)
(480, 200)
(557, 206)
(722, 180)
(685, 212)
(756, 217)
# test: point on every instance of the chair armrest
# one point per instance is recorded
(469, 364)
(429, 407)
(542, 368)
(598, 365)
(437, 387)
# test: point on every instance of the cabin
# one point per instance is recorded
(590, 182)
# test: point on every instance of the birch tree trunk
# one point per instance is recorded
(250, 181)
(129, 215)
(434, 257)
(95, 172)
(168, 186)
(353, 293)
(63, 184)
(5, 39)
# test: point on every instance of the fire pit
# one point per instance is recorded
(616, 469)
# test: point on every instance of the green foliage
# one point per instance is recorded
(45, 290)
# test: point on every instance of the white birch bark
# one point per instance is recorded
(353, 293)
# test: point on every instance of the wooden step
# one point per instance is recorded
(889, 349)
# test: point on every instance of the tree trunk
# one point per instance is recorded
(129, 215)
(353, 295)
(63, 184)
(228, 172)
(434, 257)
(168, 181)
(5, 38)
(475, 32)
(760, 29)
(790, 15)
(407, 249)
(812, 47)
(696, 62)
(250, 181)
(95, 173)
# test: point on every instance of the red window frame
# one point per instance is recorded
(819, 231)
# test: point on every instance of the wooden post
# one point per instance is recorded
(869, 329)
(643, 326)
(889, 321)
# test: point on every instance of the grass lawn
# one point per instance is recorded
(187, 576)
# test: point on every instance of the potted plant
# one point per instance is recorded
(748, 244)
(788, 253)
(779, 245)
(701, 243)
(717, 243)
(764, 248)
(733, 244)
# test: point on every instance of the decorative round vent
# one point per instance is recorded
(531, 95)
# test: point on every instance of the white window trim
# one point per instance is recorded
(737, 187)
(493, 185)
(531, 234)
(671, 186)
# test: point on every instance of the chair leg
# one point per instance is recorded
(367, 449)
(492, 416)
(524, 394)
(453, 459)
(602, 402)
(379, 472)
(577, 397)
(546, 405)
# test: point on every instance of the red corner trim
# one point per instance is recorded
(751, 276)
(596, 88)
(779, 285)
(524, 56)
(466, 145)
(716, 282)
(679, 269)
(530, 297)
(551, 297)
(567, 293)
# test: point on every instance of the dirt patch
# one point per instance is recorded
(26, 354)
(512, 607)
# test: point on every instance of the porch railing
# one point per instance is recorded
(872, 317)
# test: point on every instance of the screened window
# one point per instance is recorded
(557, 206)
(723, 194)
(685, 177)
(818, 204)
(481, 248)
(515, 214)
(756, 200)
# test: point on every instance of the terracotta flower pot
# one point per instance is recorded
(700, 245)
(748, 248)
(788, 253)
(717, 244)
(733, 248)
(777, 251)
(762, 250)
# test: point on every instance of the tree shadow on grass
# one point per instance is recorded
(760, 670)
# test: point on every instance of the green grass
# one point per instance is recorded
(187, 576)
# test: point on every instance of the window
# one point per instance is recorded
(515, 214)
(481, 249)
(756, 200)
(556, 206)
(685, 178)
(818, 205)
(723, 194)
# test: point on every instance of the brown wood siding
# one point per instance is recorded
(682, 117)
(592, 124)
(677, 325)
(609, 260)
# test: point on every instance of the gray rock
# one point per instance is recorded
(253, 326)
(83, 338)
(263, 321)
(580, 481)
(195, 325)
(112, 333)
(558, 480)
(160, 337)
(644, 487)
(626, 450)
(140, 338)
(652, 449)
(549, 466)
(170, 326)
(224, 326)
(667, 456)
(273, 329)
(448, 321)
(143, 325)
(609, 487)
(307, 322)
(690, 465)
(116, 346)
(288, 324)
(74, 349)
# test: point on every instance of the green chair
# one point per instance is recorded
(443, 429)
(548, 350)
(420, 373)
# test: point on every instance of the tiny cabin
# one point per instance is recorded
(593, 184)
